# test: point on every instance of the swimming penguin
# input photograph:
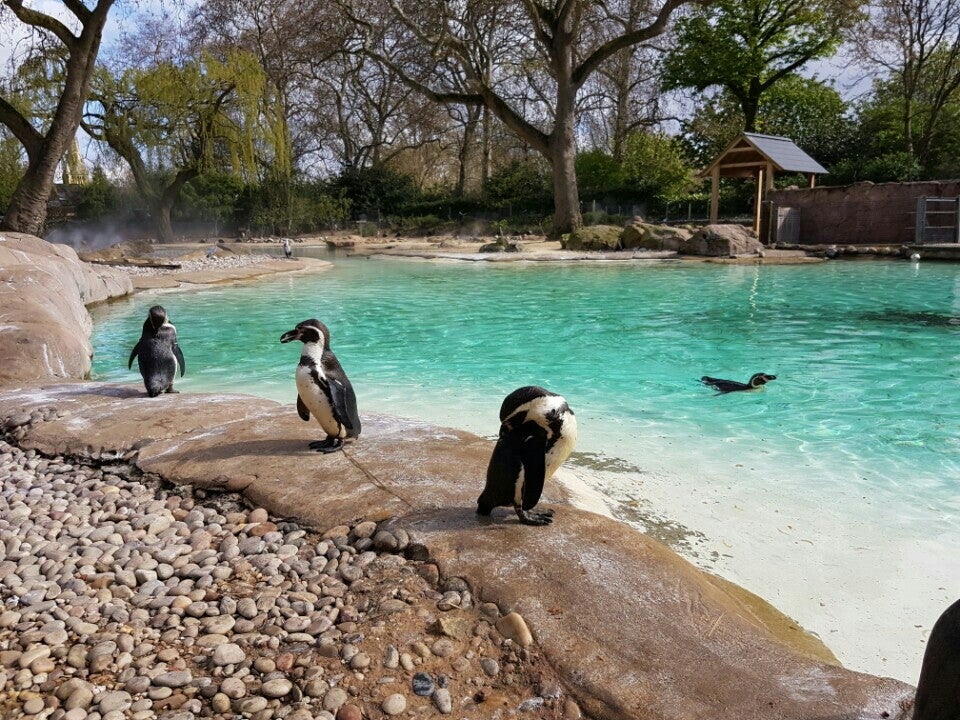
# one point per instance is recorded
(757, 380)
(537, 433)
(938, 690)
(323, 388)
(158, 354)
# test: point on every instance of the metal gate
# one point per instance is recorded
(938, 220)
(785, 225)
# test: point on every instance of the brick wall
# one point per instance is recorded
(862, 213)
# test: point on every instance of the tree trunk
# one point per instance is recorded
(487, 149)
(164, 206)
(563, 152)
(27, 210)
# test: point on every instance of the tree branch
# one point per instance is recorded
(27, 134)
(593, 61)
(38, 19)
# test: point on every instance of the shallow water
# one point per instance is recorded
(832, 493)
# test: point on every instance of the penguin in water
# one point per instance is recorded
(158, 354)
(938, 690)
(756, 381)
(323, 388)
(537, 433)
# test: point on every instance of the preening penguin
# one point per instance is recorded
(757, 380)
(537, 433)
(938, 690)
(158, 354)
(323, 388)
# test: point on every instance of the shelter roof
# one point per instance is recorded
(753, 150)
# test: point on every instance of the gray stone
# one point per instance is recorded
(394, 704)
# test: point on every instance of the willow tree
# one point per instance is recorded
(174, 121)
(548, 50)
(748, 46)
(46, 142)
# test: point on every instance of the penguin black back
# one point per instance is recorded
(938, 690)
(757, 380)
(158, 353)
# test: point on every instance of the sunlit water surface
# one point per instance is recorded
(833, 492)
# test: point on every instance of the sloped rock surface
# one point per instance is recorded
(648, 236)
(632, 629)
(44, 323)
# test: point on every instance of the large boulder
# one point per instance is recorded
(722, 241)
(594, 237)
(647, 236)
(44, 324)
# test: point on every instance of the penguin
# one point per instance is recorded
(287, 249)
(323, 388)
(757, 380)
(158, 354)
(938, 690)
(538, 431)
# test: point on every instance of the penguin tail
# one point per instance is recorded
(484, 506)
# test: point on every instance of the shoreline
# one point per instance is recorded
(413, 476)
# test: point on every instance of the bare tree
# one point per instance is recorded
(27, 209)
(550, 49)
(918, 42)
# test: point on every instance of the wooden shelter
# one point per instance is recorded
(758, 156)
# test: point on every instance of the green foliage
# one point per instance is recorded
(747, 46)
(889, 167)
(12, 168)
(283, 206)
(98, 198)
(522, 183)
(655, 166)
(599, 175)
(808, 111)
(375, 191)
(211, 196)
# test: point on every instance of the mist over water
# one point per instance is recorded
(833, 492)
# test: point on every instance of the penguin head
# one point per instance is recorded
(157, 317)
(309, 331)
(758, 379)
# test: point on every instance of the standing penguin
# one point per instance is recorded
(323, 388)
(537, 433)
(287, 248)
(158, 354)
(938, 690)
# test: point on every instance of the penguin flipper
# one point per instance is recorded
(302, 409)
(344, 403)
(178, 354)
(534, 469)
(133, 354)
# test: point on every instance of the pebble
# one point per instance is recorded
(121, 599)
(394, 704)
(514, 627)
(422, 684)
(443, 701)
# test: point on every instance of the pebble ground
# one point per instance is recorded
(126, 597)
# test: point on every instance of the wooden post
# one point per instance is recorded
(758, 201)
(811, 180)
(714, 194)
(769, 176)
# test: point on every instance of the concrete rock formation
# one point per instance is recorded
(44, 323)
(648, 236)
(593, 237)
(722, 241)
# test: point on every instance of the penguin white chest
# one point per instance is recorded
(316, 400)
(563, 446)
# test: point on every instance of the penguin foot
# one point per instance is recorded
(330, 445)
(528, 517)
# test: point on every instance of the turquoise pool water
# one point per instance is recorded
(833, 492)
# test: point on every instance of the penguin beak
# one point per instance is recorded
(290, 335)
